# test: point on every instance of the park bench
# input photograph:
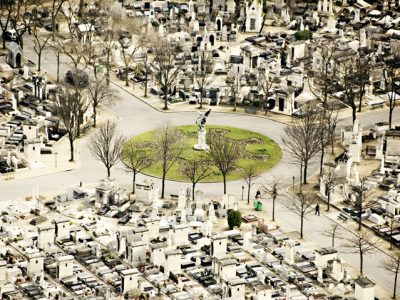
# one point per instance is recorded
(174, 196)
(342, 217)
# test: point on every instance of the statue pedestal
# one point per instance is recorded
(201, 143)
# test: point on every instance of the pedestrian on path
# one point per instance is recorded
(258, 194)
(317, 209)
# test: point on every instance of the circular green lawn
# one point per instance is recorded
(260, 151)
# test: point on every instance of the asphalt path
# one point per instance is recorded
(137, 116)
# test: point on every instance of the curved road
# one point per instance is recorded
(137, 117)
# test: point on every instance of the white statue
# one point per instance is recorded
(201, 122)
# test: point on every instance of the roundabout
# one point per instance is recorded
(257, 151)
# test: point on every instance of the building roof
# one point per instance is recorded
(364, 282)
(14, 47)
(236, 281)
(326, 251)
(128, 272)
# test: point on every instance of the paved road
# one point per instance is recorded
(137, 117)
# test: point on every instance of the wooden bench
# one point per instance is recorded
(174, 196)
(342, 217)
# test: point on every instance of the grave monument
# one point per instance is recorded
(201, 122)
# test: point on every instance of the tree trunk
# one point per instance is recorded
(108, 171)
(126, 77)
(133, 182)
(359, 218)
(301, 226)
(78, 134)
(395, 281)
(305, 173)
(165, 98)
(273, 208)
(354, 111)
(301, 177)
(248, 193)
(360, 100)
(94, 115)
(163, 185)
(224, 176)
(71, 147)
(193, 187)
(390, 115)
(333, 239)
(39, 59)
(329, 201)
(21, 42)
(265, 103)
(361, 263)
(145, 74)
(321, 163)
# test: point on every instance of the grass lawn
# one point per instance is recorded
(260, 150)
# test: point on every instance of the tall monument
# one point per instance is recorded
(201, 122)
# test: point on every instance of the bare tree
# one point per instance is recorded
(361, 243)
(41, 37)
(20, 19)
(360, 197)
(40, 41)
(106, 145)
(329, 179)
(353, 75)
(363, 70)
(323, 73)
(166, 71)
(134, 28)
(72, 44)
(136, 159)
(100, 93)
(331, 120)
(274, 190)
(322, 88)
(168, 144)
(392, 264)
(393, 224)
(57, 52)
(233, 85)
(67, 107)
(203, 76)
(224, 153)
(148, 44)
(267, 82)
(302, 140)
(302, 205)
(333, 232)
(196, 170)
(250, 174)
(6, 11)
(391, 74)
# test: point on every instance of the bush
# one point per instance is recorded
(234, 219)
(303, 35)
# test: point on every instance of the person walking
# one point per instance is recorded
(258, 194)
(317, 209)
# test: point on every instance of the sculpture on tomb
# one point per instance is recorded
(201, 122)
(202, 119)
